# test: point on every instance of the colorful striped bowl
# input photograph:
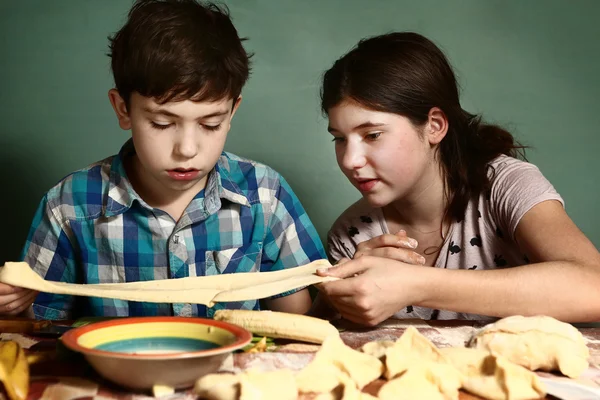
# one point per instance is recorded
(141, 352)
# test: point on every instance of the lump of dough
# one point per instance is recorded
(218, 387)
(320, 376)
(494, 377)
(272, 385)
(361, 368)
(377, 348)
(536, 343)
(410, 349)
(427, 380)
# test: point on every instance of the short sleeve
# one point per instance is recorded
(517, 186)
(49, 252)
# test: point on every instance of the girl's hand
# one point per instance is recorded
(397, 247)
(372, 289)
(14, 300)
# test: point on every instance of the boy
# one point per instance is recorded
(171, 204)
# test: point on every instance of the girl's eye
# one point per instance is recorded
(212, 127)
(373, 136)
(159, 126)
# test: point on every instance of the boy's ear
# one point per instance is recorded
(235, 106)
(120, 108)
(437, 126)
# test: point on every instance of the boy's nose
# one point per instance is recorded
(187, 145)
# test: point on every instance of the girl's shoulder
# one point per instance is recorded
(359, 222)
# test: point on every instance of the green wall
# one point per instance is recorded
(531, 65)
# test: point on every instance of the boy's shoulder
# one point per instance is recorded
(83, 193)
(248, 175)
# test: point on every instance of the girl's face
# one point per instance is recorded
(383, 155)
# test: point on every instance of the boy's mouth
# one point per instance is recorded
(183, 174)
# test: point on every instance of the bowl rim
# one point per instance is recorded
(70, 338)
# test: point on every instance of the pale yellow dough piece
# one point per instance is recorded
(196, 290)
(336, 364)
(249, 385)
(494, 377)
(272, 385)
(361, 368)
(536, 343)
(218, 387)
(410, 349)
(425, 380)
(377, 348)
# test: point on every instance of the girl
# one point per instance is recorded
(452, 224)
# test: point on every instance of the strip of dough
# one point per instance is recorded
(197, 290)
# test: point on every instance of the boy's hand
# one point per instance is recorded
(14, 300)
(397, 247)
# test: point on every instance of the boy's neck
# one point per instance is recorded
(157, 196)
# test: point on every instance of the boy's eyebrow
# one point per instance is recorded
(167, 113)
(367, 124)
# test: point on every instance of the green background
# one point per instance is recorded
(532, 66)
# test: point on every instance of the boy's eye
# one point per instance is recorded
(338, 139)
(159, 126)
(212, 127)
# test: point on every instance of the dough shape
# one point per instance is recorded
(410, 349)
(196, 290)
(336, 364)
(218, 387)
(377, 348)
(320, 376)
(494, 377)
(272, 385)
(361, 368)
(427, 380)
(536, 343)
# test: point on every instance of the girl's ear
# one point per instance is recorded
(120, 108)
(437, 126)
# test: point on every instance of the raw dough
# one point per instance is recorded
(196, 290)
(377, 348)
(410, 349)
(361, 368)
(494, 377)
(536, 343)
(249, 385)
(336, 364)
(425, 380)
(218, 387)
(272, 385)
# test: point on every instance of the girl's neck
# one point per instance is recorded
(424, 209)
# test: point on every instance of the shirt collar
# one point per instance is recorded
(220, 185)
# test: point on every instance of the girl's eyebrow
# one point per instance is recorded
(364, 125)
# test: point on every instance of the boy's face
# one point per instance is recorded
(177, 143)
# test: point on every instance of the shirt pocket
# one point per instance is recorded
(246, 258)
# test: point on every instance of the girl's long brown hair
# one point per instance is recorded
(407, 74)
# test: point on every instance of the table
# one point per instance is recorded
(75, 380)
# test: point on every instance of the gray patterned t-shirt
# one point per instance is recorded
(483, 240)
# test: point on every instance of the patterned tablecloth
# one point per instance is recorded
(75, 380)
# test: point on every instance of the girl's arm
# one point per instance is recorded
(563, 280)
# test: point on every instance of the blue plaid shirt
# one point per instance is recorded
(92, 227)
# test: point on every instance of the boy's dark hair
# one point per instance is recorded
(405, 73)
(174, 50)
